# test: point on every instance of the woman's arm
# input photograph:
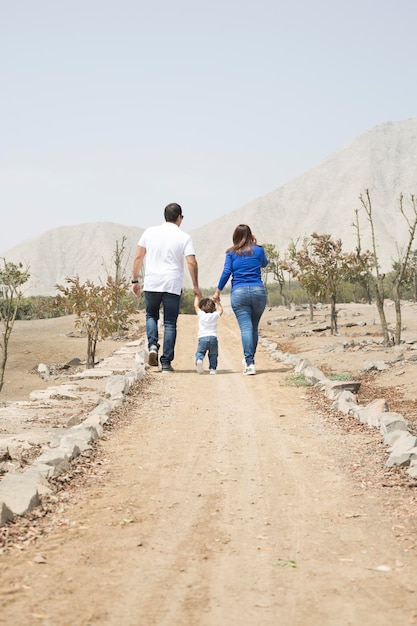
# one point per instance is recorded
(227, 272)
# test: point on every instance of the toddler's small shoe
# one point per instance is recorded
(199, 366)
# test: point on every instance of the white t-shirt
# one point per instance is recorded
(207, 324)
(166, 246)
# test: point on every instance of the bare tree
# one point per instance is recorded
(119, 271)
(12, 277)
(412, 274)
(274, 268)
(329, 269)
(402, 266)
(297, 264)
(321, 266)
(97, 308)
(378, 278)
(363, 261)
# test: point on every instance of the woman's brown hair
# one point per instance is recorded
(243, 240)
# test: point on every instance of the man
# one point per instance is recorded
(165, 247)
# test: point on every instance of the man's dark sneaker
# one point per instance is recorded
(153, 356)
(167, 369)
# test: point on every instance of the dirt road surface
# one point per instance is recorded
(219, 500)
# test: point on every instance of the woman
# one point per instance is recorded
(243, 263)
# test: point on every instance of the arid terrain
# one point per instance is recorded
(216, 500)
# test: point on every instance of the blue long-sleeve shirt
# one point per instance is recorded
(245, 269)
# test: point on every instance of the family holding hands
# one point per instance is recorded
(165, 247)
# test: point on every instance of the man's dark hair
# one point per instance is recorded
(172, 212)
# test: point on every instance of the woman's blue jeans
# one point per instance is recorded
(248, 304)
(208, 344)
(171, 305)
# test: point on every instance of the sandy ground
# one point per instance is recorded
(220, 500)
(53, 342)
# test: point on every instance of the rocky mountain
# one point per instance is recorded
(322, 199)
(85, 250)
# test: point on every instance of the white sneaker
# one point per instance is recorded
(249, 370)
(153, 356)
(199, 366)
(213, 372)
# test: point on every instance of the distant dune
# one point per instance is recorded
(322, 199)
(85, 250)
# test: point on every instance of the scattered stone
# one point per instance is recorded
(74, 363)
(345, 402)
(371, 414)
(310, 371)
(20, 492)
(43, 370)
(393, 426)
(39, 559)
(92, 373)
(64, 392)
(412, 470)
(334, 387)
(5, 513)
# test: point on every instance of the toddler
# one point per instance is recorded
(208, 316)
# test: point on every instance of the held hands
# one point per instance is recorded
(216, 295)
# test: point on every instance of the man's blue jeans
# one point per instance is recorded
(171, 305)
(248, 304)
(208, 344)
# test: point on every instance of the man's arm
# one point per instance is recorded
(193, 269)
(137, 266)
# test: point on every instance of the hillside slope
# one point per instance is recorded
(322, 199)
(85, 250)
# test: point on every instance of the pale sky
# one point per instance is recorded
(111, 109)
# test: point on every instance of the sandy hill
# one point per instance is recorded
(322, 199)
(85, 250)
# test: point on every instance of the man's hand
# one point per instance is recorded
(136, 289)
(193, 269)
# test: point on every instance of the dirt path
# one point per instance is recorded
(220, 501)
